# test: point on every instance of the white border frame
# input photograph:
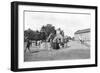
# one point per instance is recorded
(22, 64)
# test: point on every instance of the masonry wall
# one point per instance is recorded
(83, 36)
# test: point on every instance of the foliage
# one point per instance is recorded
(48, 29)
(39, 35)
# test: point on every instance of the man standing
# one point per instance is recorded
(28, 45)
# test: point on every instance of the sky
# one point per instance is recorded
(68, 22)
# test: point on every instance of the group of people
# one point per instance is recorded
(57, 44)
(29, 44)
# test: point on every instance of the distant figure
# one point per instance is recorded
(82, 41)
(56, 45)
(51, 43)
(28, 45)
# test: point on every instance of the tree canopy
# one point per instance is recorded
(43, 34)
(48, 29)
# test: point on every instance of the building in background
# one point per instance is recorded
(82, 35)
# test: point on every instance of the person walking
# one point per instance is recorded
(28, 45)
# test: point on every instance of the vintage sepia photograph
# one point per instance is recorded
(52, 36)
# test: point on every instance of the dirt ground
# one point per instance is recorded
(75, 50)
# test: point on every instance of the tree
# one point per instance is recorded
(62, 33)
(34, 35)
(42, 36)
(48, 29)
(29, 34)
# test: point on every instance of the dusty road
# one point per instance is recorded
(74, 51)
